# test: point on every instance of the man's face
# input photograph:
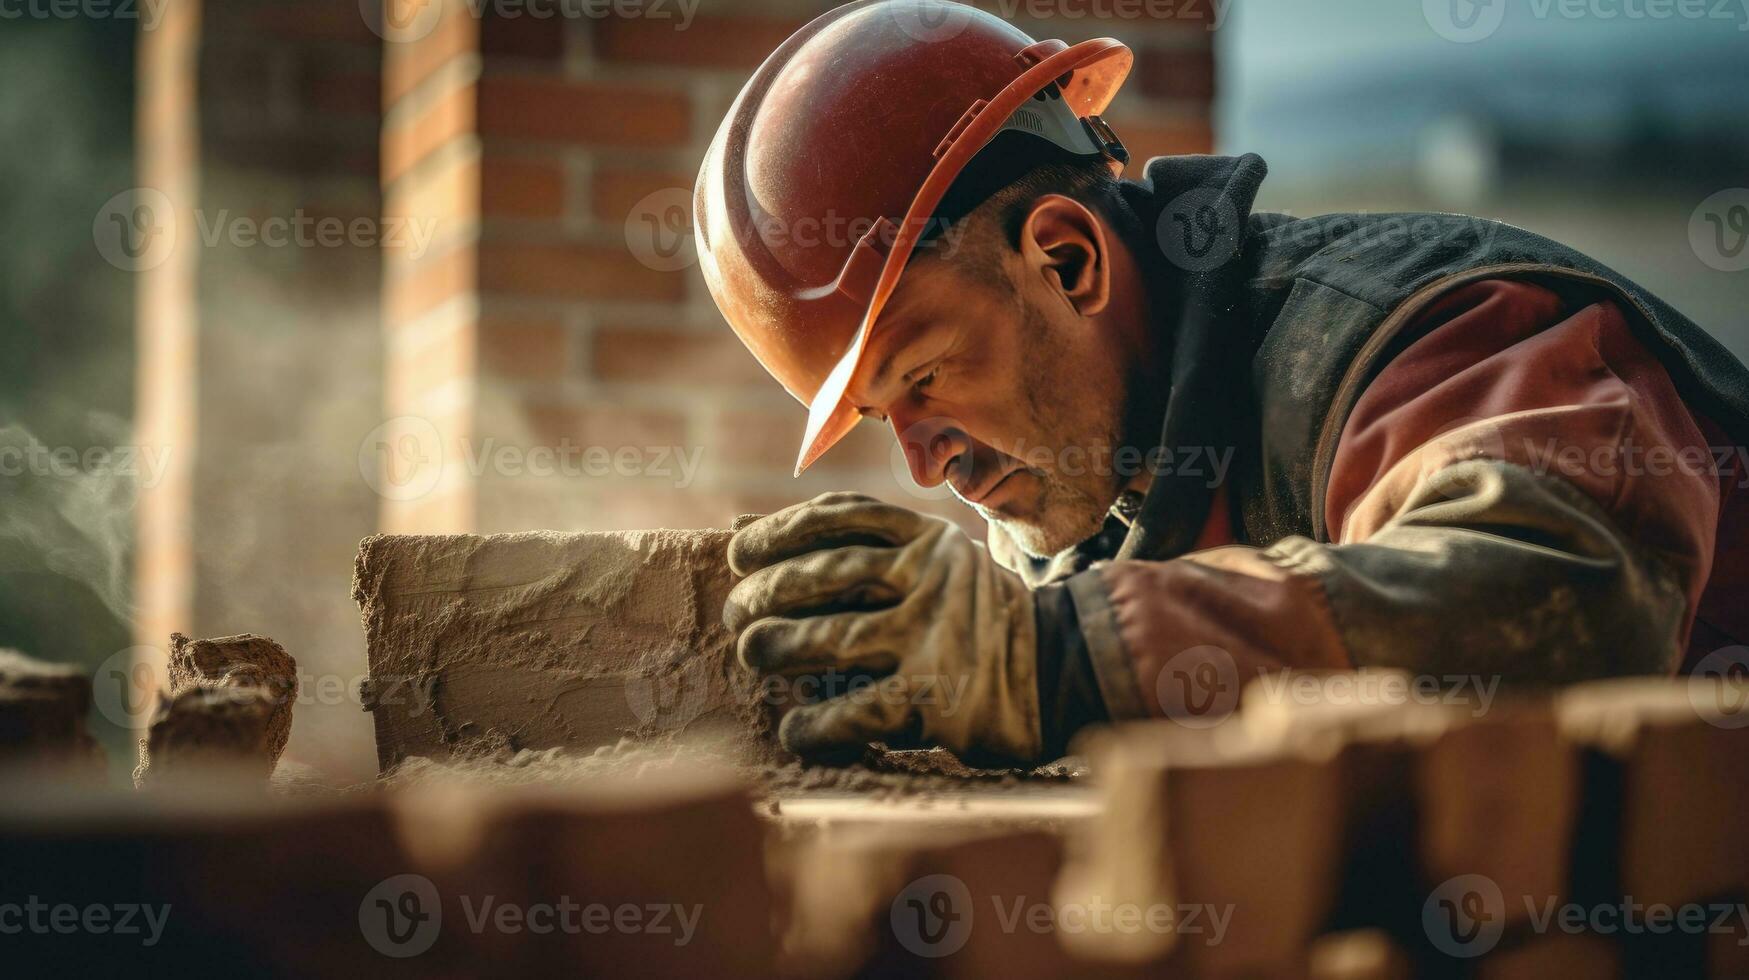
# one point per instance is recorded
(996, 384)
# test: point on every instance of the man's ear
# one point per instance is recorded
(1066, 243)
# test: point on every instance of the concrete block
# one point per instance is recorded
(42, 714)
(548, 640)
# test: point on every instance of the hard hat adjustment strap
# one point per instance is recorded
(1048, 117)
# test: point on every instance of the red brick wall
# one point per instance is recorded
(547, 318)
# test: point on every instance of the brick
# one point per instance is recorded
(42, 714)
(406, 141)
(1662, 747)
(770, 440)
(607, 425)
(429, 283)
(436, 204)
(1209, 816)
(343, 93)
(1501, 798)
(251, 884)
(522, 186)
(559, 111)
(527, 348)
(615, 191)
(707, 42)
(685, 357)
(406, 64)
(524, 36)
(686, 838)
(230, 701)
(574, 271)
(1176, 74)
(641, 646)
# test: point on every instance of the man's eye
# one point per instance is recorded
(926, 380)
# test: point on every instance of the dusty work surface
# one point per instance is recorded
(911, 786)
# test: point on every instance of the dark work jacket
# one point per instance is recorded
(1278, 324)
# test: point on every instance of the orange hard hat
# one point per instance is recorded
(835, 157)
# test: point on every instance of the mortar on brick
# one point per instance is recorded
(546, 640)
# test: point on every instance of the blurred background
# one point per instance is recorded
(279, 274)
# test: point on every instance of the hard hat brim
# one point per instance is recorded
(1094, 71)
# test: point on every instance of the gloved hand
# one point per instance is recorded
(846, 584)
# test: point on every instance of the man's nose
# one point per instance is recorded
(931, 444)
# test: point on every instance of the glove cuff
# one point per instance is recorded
(1068, 688)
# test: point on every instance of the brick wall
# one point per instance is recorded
(260, 365)
(559, 308)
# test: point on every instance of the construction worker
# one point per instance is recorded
(1209, 442)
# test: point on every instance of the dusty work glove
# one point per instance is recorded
(845, 584)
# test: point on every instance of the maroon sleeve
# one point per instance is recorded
(1519, 484)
